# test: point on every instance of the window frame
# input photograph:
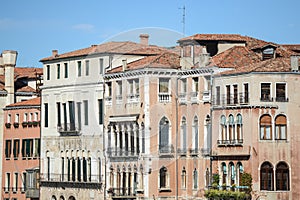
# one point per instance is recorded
(263, 126)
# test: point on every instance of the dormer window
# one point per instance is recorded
(268, 52)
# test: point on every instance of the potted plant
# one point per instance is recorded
(7, 125)
(16, 124)
(24, 124)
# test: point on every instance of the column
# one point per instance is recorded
(123, 139)
(129, 132)
(76, 169)
(81, 169)
(117, 140)
(112, 145)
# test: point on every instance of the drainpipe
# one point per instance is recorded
(176, 144)
(210, 128)
(103, 137)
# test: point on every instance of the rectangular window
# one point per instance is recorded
(195, 84)
(46, 114)
(228, 95)
(100, 105)
(119, 88)
(58, 114)
(58, 71)
(218, 95)
(265, 92)
(86, 112)
(17, 118)
(246, 93)
(183, 86)
(27, 148)
(79, 68)
(101, 66)
(130, 87)
(15, 182)
(65, 116)
(36, 114)
(48, 72)
(235, 94)
(9, 118)
(163, 85)
(16, 149)
(7, 182)
(87, 67)
(7, 148)
(66, 70)
(79, 114)
(281, 92)
(72, 115)
(109, 89)
(24, 182)
(25, 119)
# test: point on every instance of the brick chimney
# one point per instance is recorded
(54, 53)
(144, 39)
(9, 63)
(1, 66)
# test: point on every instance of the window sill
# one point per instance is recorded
(164, 189)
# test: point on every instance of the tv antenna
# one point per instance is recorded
(183, 20)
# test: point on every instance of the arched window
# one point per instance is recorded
(163, 177)
(195, 144)
(53, 197)
(224, 172)
(72, 198)
(280, 127)
(282, 176)
(266, 177)
(195, 179)
(223, 129)
(183, 134)
(265, 127)
(164, 135)
(239, 172)
(239, 128)
(183, 178)
(231, 129)
(61, 198)
(231, 173)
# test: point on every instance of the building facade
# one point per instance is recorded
(21, 149)
(16, 84)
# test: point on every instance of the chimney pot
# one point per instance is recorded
(9, 57)
(54, 53)
(124, 64)
(144, 39)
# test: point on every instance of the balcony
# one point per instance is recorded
(266, 99)
(68, 129)
(164, 97)
(119, 99)
(228, 152)
(133, 98)
(206, 96)
(108, 100)
(117, 154)
(125, 192)
(182, 98)
(194, 97)
(194, 151)
(59, 180)
(182, 151)
(237, 142)
(166, 150)
(231, 100)
(281, 99)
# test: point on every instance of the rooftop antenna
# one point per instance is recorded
(183, 20)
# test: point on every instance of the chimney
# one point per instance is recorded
(9, 63)
(54, 53)
(204, 58)
(295, 63)
(124, 64)
(1, 66)
(144, 39)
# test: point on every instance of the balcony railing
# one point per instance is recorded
(70, 181)
(231, 100)
(123, 191)
(108, 100)
(166, 149)
(266, 99)
(194, 151)
(182, 98)
(164, 97)
(68, 129)
(182, 151)
(206, 96)
(282, 99)
(113, 152)
(230, 142)
(194, 97)
(133, 98)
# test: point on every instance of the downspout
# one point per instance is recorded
(103, 137)
(210, 128)
(176, 138)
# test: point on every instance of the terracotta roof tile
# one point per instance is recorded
(30, 102)
(235, 57)
(26, 89)
(214, 37)
(164, 60)
(112, 47)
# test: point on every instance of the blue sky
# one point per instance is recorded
(35, 27)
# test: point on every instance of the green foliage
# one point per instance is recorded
(224, 195)
(216, 179)
(246, 180)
